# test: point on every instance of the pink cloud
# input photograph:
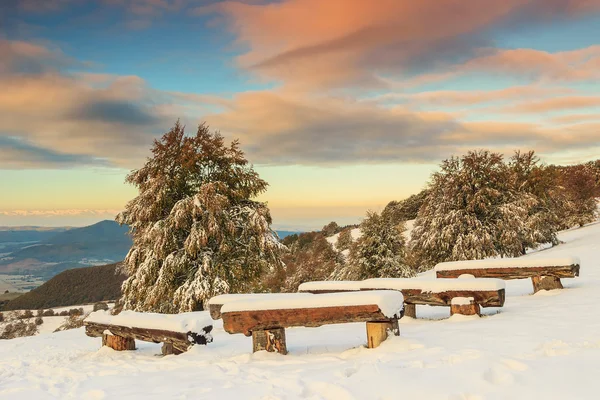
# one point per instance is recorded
(315, 43)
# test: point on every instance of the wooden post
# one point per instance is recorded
(271, 340)
(118, 343)
(545, 283)
(377, 332)
(410, 310)
(465, 309)
(168, 348)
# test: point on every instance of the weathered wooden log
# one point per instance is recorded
(118, 343)
(472, 308)
(558, 271)
(179, 341)
(410, 310)
(248, 321)
(271, 340)
(485, 298)
(545, 283)
(377, 332)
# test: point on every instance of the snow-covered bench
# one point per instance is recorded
(545, 273)
(432, 292)
(265, 317)
(177, 332)
(215, 303)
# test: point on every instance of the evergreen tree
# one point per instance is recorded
(579, 206)
(344, 240)
(379, 252)
(330, 229)
(196, 230)
(471, 212)
(405, 210)
(535, 185)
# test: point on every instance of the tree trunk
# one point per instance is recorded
(118, 343)
(271, 340)
(410, 310)
(545, 283)
(465, 309)
(377, 332)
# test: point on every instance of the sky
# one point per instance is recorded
(341, 105)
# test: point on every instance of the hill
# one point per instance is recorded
(73, 287)
(101, 243)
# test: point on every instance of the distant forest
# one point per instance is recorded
(73, 287)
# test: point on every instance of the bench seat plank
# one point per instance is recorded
(252, 320)
(433, 292)
(179, 340)
(511, 268)
(177, 331)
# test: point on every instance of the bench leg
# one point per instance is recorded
(272, 340)
(465, 309)
(118, 343)
(168, 348)
(545, 283)
(410, 310)
(377, 332)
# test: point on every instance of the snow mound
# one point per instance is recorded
(508, 263)
(185, 322)
(389, 302)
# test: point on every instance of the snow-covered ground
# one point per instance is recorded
(544, 346)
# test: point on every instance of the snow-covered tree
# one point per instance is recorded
(379, 252)
(344, 240)
(471, 212)
(535, 185)
(579, 205)
(330, 229)
(405, 210)
(196, 229)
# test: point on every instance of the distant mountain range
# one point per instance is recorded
(102, 243)
(45, 252)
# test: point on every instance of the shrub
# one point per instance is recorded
(73, 322)
(101, 306)
(117, 308)
(48, 313)
(26, 315)
(1, 317)
(40, 312)
(39, 320)
(19, 329)
(75, 312)
(64, 313)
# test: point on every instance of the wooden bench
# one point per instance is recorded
(177, 332)
(265, 317)
(545, 273)
(432, 292)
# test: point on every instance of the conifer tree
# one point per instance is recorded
(471, 212)
(196, 229)
(579, 205)
(379, 252)
(344, 240)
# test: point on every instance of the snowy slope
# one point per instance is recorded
(544, 346)
(356, 233)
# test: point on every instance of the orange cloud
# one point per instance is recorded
(554, 104)
(315, 43)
